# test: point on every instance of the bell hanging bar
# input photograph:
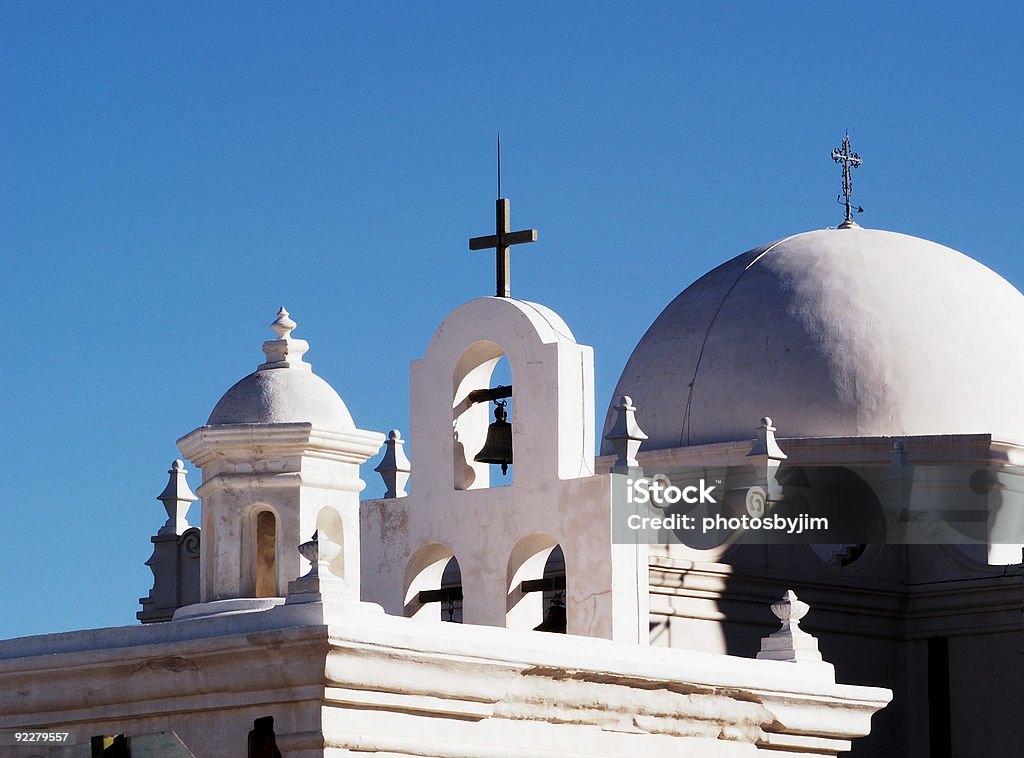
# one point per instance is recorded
(443, 595)
(485, 396)
(547, 584)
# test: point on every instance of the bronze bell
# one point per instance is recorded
(555, 619)
(498, 445)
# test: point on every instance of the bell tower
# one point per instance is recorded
(552, 395)
(537, 551)
(280, 457)
(537, 554)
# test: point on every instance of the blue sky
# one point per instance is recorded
(172, 173)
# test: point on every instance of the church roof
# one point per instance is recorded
(839, 332)
(283, 390)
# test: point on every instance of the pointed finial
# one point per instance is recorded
(790, 608)
(285, 351)
(765, 456)
(176, 497)
(626, 436)
(394, 468)
(283, 326)
(764, 443)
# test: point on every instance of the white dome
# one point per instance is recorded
(842, 332)
(283, 390)
(281, 396)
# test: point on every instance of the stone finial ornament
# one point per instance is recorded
(626, 436)
(175, 558)
(283, 325)
(321, 585)
(176, 497)
(766, 456)
(319, 551)
(764, 443)
(284, 352)
(394, 468)
(790, 643)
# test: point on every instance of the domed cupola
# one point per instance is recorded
(838, 332)
(280, 456)
(284, 389)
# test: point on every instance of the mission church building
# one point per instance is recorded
(455, 618)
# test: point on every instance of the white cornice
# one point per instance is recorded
(259, 441)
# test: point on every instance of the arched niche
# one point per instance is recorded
(434, 571)
(328, 522)
(470, 420)
(532, 560)
(260, 538)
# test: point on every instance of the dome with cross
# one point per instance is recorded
(837, 332)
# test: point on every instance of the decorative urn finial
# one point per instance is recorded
(285, 351)
(283, 325)
(790, 642)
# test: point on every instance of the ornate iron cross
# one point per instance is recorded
(500, 241)
(849, 160)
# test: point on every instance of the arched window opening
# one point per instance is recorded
(552, 584)
(537, 586)
(482, 417)
(266, 555)
(450, 592)
(434, 585)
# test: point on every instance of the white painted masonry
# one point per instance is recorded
(304, 637)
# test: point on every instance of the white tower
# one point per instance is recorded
(280, 456)
(503, 537)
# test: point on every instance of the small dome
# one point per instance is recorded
(842, 332)
(283, 390)
(281, 396)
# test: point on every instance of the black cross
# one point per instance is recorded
(849, 160)
(500, 241)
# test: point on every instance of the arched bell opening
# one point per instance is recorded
(451, 592)
(433, 585)
(553, 586)
(537, 586)
(482, 415)
(259, 551)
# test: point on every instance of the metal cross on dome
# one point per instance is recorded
(502, 239)
(849, 160)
